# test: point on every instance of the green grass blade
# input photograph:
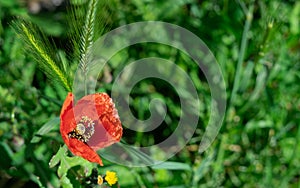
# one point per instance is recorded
(236, 84)
(172, 166)
(46, 128)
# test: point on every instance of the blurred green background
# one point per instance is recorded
(257, 45)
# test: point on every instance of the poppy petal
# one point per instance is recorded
(91, 124)
(81, 149)
(109, 119)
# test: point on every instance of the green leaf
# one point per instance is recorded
(69, 162)
(66, 163)
(36, 179)
(65, 182)
(62, 152)
(46, 128)
(252, 125)
(260, 84)
(6, 155)
(138, 155)
(294, 19)
(246, 76)
(48, 25)
(202, 168)
(172, 166)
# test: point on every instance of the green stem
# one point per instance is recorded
(244, 43)
(85, 84)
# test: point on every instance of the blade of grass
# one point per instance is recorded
(172, 166)
(237, 78)
(46, 128)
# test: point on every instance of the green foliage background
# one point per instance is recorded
(256, 44)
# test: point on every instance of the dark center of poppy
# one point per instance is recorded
(84, 130)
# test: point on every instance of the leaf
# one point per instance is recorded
(65, 182)
(246, 76)
(69, 162)
(62, 152)
(138, 155)
(66, 163)
(49, 25)
(202, 168)
(172, 166)
(36, 179)
(294, 19)
(6, 155)
(260, 84)
(46, 128)
(252, 125)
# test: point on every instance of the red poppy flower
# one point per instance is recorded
(91, 124)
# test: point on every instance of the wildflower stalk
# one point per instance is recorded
(50, 64)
